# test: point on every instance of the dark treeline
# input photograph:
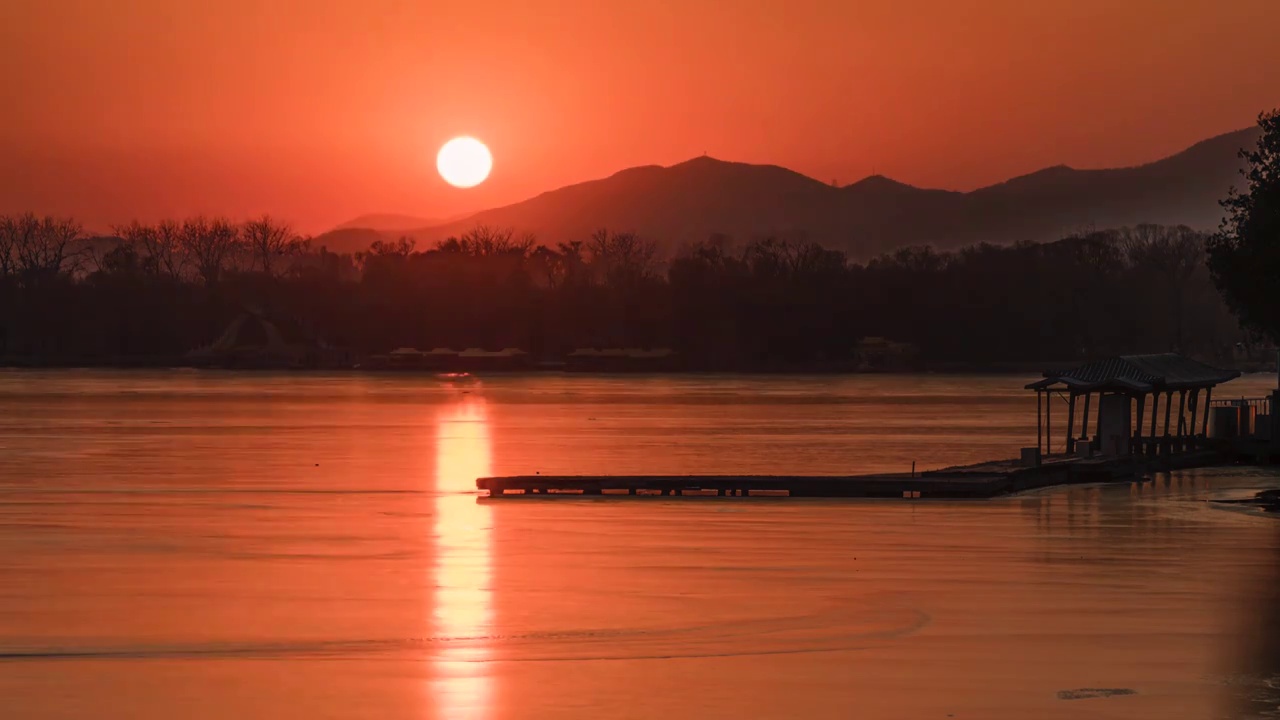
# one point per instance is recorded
(157, 291)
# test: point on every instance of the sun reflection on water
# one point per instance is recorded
(462, 611)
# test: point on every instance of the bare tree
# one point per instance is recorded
(161, 247)
(401, 248)
(1175, 255)
(560, 267)
(9, 237)
(486, 241)
(34, 246)
(141, 241)
(800, 258)
(270, 242)
(622, 257)
(211, 245)
(548, 267)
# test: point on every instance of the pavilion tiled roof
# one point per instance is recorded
(1138, 373)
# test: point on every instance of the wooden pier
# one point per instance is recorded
(864, 486)
(1117, 450)
(985, 480)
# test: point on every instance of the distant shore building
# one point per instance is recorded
(449, 360)
(882, 354)
(254, 340)
(620, 360)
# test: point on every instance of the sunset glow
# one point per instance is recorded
(461, 609)
(464, 162)
(846, 90)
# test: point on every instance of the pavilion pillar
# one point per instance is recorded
(1208, 403)
(1084, 422)
(1195, 408)
(1071, 423)
(1137, 436)
(1182, 418)
(1039, 424)
(1155, 411)
(1097, 422)
(1048, 424)
(1168, 410)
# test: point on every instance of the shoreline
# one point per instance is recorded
(1266, 502)
(1027, 368)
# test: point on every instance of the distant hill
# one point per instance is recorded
(347, 240)
(388, 222)
(1183, 189)
(699, 197)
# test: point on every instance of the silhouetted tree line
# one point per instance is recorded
(155, 291)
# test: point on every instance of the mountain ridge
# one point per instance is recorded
(701, 196)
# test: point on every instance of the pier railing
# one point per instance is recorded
(1261, 405)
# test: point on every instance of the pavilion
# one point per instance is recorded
(255, 339)
(1123, 384)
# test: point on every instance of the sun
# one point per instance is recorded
(464, 162)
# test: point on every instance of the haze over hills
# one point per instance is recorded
(389, 222)
(697, 198)
(357, 234)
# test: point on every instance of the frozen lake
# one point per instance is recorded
(208, 545)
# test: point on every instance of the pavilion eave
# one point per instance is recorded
(1117, 385)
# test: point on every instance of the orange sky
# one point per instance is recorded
(318, 111)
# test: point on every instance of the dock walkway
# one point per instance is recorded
(983, 480)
